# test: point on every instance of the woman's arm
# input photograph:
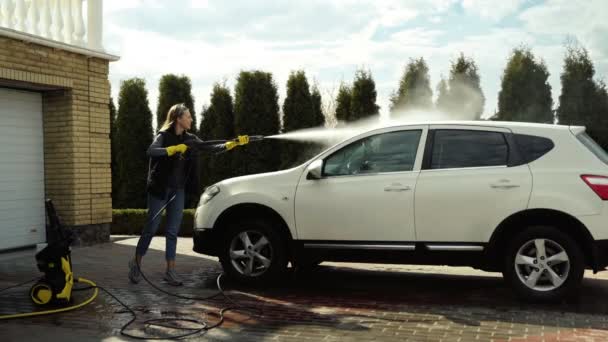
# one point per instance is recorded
(199, 145)
(156, 149)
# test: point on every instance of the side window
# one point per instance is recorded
(532, 147)
(464, 148)
(386, 152)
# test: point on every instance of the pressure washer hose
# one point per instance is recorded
(161, 322)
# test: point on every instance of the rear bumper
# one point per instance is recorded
(206, 241)
(600, 254)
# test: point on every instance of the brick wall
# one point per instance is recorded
(76, 93)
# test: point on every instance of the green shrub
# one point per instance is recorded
(132, 221)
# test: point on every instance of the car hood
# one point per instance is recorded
(284, 181)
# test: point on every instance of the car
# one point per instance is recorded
(527, 200)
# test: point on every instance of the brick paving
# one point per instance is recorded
(336, 302)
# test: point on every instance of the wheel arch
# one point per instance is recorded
(254, 210)
(518, 222)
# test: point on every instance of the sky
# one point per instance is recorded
(212, 40)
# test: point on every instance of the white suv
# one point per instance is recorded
(528, 200)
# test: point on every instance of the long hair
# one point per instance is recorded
(176, 111)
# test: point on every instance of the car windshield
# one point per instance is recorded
(594, 147)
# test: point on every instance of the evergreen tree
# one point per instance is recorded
(443, 95)
(256, 112)
(461, 96)
(414, 88)
(525, 93)
(113, 150)
(363, 100)
(174, 89)
(343, 100)
(298, 113)
(317, 107)
(583, 101)
(133, 137)
(217, 124)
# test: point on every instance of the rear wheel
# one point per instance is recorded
(544, 264)
(254, 252)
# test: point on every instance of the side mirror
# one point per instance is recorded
(315, 170)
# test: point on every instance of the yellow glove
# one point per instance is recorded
(243, 140)
(230, 145)
(181, 148)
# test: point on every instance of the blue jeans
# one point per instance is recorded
(174, 211)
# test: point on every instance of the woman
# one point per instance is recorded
(172, 169)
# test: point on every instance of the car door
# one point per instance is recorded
(366, 190)
(467, 185)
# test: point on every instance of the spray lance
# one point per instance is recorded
(200, 145)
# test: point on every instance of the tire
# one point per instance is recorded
(555, 276)
(261, 260)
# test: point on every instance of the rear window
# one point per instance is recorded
(593, 146)
(532, 147)
(462, 148)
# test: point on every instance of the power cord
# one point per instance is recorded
(20, 284)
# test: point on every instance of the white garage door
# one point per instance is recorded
(22, 215)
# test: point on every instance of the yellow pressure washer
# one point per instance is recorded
(55, 261)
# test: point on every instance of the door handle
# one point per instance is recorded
(503, 184)
(397, 188)
(504, 187)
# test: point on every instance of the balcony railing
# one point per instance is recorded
(59, 20)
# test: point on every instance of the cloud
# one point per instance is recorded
(586, 20)
(491, 9)
(212, 41)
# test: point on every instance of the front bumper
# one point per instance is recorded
(206, 241)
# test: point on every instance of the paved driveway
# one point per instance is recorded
(336, 302)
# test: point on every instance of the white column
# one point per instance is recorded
(57, 20)
(95, 24)
(68, 22)
(32, 18)
(7, 13)
(20, 15)
(78, 22)
(45, 18)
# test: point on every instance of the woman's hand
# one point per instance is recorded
(239, 141)
(181, 148)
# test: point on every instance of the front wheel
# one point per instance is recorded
(253, 252)
(544, 264)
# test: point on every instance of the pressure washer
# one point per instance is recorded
(54, 289)
(56, 263)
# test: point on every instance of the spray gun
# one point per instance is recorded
(200, 145)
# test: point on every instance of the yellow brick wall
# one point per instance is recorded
(76, 125)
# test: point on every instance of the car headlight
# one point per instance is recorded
(209, 193)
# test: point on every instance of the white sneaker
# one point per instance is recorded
(172, 278)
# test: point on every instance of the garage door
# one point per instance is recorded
(22, 215)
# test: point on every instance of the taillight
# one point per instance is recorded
(599, 184)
